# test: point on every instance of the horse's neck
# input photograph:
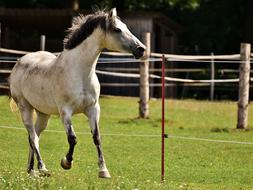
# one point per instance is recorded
(83, 58)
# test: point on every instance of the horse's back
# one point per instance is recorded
(38, 57)
(29, 63)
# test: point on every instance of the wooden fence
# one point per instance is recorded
(244, 77)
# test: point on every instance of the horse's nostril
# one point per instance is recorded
(142, 49)
(138, 51)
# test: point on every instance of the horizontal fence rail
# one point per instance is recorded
(197, 57)
(116, 74)
(128, 58)
(168, 56)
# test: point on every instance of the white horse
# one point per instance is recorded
(67, 84)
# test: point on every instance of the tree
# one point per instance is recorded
(216, 26)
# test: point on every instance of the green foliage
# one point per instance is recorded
(216, 26)
(209, 25)
(134, 162)
(162, 4)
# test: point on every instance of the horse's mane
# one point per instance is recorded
(83, 26)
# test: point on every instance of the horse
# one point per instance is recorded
(67, 84)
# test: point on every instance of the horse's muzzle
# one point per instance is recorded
(139, 52)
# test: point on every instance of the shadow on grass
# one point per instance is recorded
(229, 130)
(137, 120)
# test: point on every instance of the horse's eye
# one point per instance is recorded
(117, 30)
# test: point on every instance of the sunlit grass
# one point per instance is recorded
(134, 162)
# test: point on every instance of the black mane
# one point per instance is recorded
(83, 27)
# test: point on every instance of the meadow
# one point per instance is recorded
(132, 148)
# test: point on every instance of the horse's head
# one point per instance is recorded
(119, 38)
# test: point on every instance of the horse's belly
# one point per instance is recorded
(42, 103)
(45, 108)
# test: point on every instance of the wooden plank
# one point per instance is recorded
(4, 87)
(4, 71)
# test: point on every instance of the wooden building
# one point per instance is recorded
(164, 30)
(21, 29)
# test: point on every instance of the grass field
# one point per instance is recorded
(134, 162)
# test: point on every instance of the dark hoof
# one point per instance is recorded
(65, 164)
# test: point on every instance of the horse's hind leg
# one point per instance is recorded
(93, 115)
(27, 117)
(40, 125)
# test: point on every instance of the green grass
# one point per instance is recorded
(134, 162)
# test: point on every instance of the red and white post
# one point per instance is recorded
(163, 98)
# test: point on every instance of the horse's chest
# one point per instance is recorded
(82, 97)
(79, 103)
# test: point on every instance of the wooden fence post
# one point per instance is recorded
(144, 79)
(42, 42)
(244, 80)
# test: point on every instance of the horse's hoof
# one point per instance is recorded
(44, 172)
(65, 164)
(33, 173)
(104, 174)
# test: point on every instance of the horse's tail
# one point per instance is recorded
(14, 109)
(13, 106)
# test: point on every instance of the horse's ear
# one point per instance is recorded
(113, 12)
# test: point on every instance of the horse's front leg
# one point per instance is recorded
(93, 115)
(67, 161)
